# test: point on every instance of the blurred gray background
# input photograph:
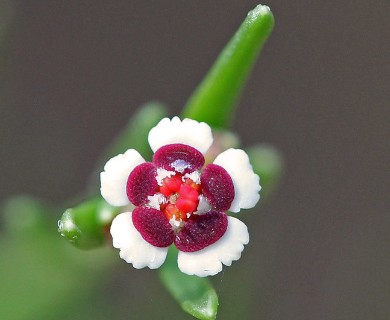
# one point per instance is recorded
(77, 70)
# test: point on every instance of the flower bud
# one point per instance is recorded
(86, 225)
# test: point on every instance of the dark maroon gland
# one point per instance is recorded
(217, 186)
(153, 226)
(200, 231)
(178, 157)
(141, 183)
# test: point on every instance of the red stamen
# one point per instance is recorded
(188, 193)
(171, 210)
(192, 184)
(182, 196)
(186, 205)
(171, 185)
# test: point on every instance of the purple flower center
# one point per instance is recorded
(168, 192)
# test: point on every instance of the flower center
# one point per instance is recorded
(182, 195)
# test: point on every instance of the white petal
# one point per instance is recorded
(114, 177)
(133, 248)
(208, 261)
(190, 132)
(246, 182)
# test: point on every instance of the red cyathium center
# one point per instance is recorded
(182, 196)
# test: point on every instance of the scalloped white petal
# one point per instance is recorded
(114, 177)
(133, 248)
(246, 182)
(208, 261)
(190, 132)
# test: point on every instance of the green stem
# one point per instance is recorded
(214, 99)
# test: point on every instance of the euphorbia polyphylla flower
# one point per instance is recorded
(179, 200)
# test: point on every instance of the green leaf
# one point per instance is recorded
(267, 162)
(214, 99)
(195, 295)
(86, 224)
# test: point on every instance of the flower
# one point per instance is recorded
(176, 202)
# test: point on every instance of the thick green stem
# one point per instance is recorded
(214, 99)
